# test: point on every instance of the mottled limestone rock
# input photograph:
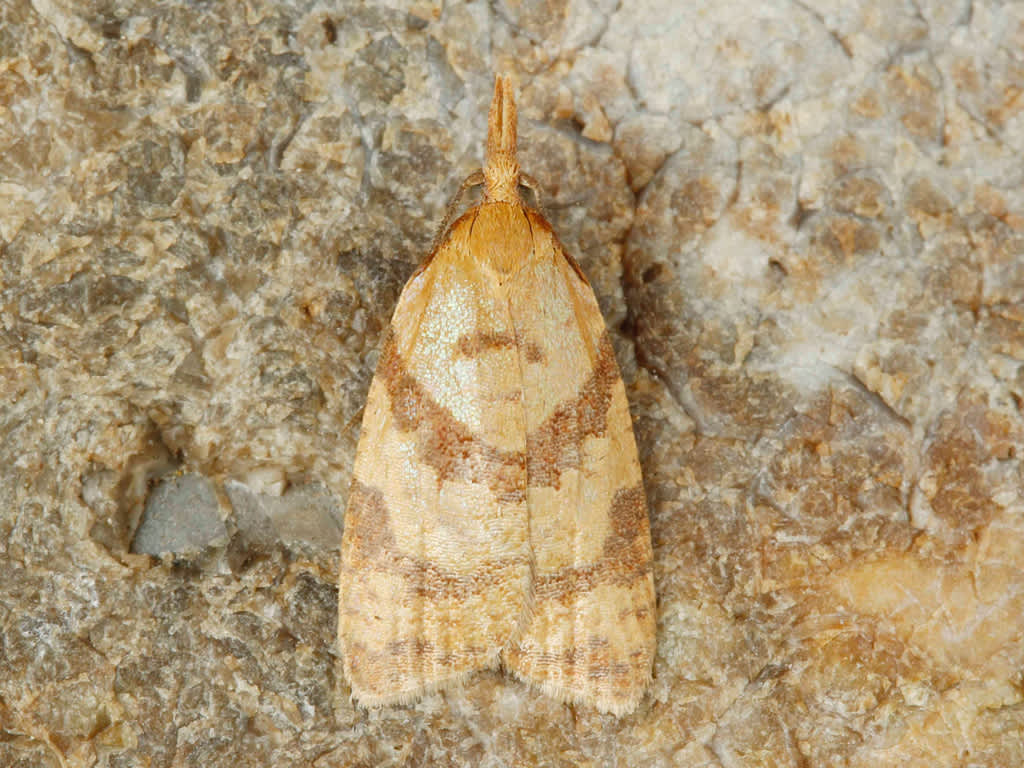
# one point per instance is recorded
(805, 226)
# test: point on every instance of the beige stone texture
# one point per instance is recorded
(804, 223)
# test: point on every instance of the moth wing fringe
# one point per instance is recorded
(565, 695)
(412, 695)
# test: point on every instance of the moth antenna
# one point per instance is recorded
(501, 169)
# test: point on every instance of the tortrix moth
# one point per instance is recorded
(497, 515)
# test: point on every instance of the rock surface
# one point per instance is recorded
(805, 226)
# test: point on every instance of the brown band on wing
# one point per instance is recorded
(436, 584)
(402, 657)
(625, 560)
(566, 584)
(369, 528)
(456, 453)
(532, 351)
(422, 649)
(476, 344)
(481, 342)
(555, 445)
(367, 522)
(629, 522)
(444, 443)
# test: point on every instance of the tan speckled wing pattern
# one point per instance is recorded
(591, 636)
(497, 512)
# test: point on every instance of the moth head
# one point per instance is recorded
(501, 169)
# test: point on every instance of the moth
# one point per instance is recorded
(497, 516)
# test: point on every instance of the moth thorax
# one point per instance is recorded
(501, 179)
